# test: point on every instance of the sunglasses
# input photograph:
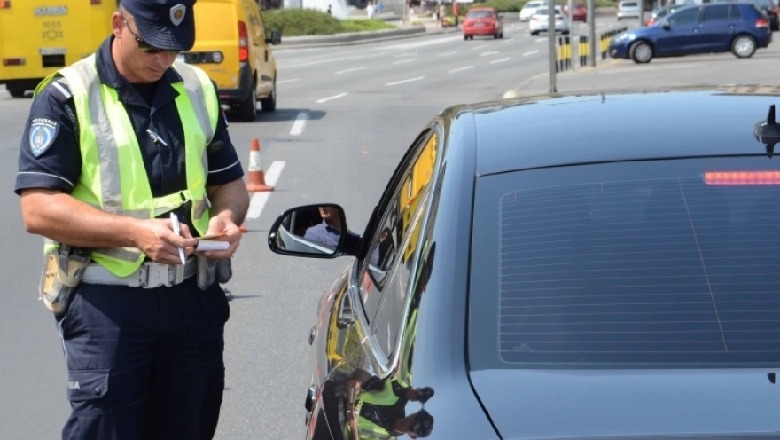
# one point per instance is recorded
(143, 46)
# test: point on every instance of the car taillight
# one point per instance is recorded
(243, 42)
(742, 178)
(5, 4)
(762, 23)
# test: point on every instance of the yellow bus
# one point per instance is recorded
(38, 37)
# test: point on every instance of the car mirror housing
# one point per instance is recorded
(316, 231)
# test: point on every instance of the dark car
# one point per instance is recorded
(520, 279)
(716, 27)
(483, 20)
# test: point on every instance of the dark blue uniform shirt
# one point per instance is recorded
(50, 156)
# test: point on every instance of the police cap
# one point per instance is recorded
(165, 24)
(423, 424)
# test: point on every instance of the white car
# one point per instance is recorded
(628, 9)
(540, 21)
(529, 9)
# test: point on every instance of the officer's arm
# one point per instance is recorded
(60, 217)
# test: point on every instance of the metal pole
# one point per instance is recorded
(592, 41)
(641, 13)
(551, 41)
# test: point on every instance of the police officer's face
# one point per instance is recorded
(133, 63)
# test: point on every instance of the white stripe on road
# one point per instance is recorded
(354, 69)
(479, 47)
(419, 78)
(340, 95)
(500, 60)
(488, 53)
(446, 54)
(408, 60)
(460, 69)
(288, 81)
(530, 52)
(259, 199)
(299, 123)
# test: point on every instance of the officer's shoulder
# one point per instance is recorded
(56, 90)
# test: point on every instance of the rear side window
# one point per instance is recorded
(716, 12)
(654, 271)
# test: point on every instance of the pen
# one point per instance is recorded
(177, 230)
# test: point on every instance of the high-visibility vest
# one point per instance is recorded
(113, 176)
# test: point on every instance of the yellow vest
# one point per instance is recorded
(113, 176)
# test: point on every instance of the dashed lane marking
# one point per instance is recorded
(299, 124)
(340, 95)
(259, 199)
(418, 78)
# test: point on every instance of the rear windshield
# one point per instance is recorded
(479, 14)
(636, 263)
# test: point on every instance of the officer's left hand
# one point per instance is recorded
(223, 227)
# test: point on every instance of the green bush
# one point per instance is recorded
(516, 5)
(293, 22)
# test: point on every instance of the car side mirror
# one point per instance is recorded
(275, 38)
(317, 231)
(666, 25)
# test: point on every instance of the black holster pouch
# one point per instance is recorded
(211, 271)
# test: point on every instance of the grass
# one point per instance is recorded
(293, 22)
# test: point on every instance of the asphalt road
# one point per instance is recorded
(346, 114)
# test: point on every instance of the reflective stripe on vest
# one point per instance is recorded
(113, 176)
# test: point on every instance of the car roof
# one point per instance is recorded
(539, 132)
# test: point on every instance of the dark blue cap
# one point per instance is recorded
(165, 24)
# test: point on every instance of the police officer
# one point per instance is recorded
(114, 145)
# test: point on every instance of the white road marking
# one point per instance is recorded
(530, 52)
(408, 60)
(460, 69)
(426, 42)
(500, 60)
(354, 69)
(340, 95)
(259, 199)
(299, 123)
(419, 78)
(488, 53)
(478, 47)
(283, 81)
(446, 54)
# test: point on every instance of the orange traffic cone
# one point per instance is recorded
(256, 180)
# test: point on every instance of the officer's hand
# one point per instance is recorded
(157, 240)
(226, 230)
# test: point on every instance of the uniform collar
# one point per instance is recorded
(127, 94)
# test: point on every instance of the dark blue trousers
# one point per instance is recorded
(144, 364)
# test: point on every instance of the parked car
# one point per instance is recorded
(529, 8)
(483, 20)
(540, 21)
(579, 11)
(715, 27)
(628, 9)
(523, 279)
(768, 7)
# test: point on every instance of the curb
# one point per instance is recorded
(350, 38)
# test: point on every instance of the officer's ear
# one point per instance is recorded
(116, 24)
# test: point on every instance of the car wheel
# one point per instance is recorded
(534, 32)
(269, 104)
(495, 36)
(641, 52)
(246, 109)
(743, 46)
(15, 93)
(465, 38)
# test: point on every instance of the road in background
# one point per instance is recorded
(346, 115)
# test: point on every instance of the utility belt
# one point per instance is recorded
(149, 275)
(67, 267)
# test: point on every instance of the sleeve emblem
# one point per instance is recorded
(42, 134)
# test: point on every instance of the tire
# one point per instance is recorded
(641, 52)
(495, 36)
(465, 38)
(16, 93)
(246, 110)
(743, 46)
(534, 32)
(269, 104)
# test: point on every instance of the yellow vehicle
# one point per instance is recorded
(232, 46)
(38, 37)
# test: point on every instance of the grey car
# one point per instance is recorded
(525, 278)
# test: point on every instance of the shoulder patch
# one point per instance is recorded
(41, 135)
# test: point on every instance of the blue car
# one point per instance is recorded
(714, 27)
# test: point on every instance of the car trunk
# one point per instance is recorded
(601, 403)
